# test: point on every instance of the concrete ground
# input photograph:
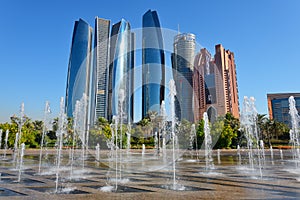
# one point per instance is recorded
(231, 178)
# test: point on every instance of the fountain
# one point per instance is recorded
(128, 137)
(1, 137)
(19, 136)
(172, 94)
(209, 164)
(75, 134)
(163, 115)
(155, 140)
(62, 121)
(45, 127)
(219, 156)
(148, 173)
(16, 149)
(97, 152)
(6, 139)
(143, 150)
(193, 141)
(21, 161)
(248, 122)
(271, 152)
(262, 148)
(294, 132)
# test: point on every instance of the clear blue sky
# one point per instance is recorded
(35, 39)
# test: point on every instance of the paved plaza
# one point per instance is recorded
(231, 178)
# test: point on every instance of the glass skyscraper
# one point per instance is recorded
(120, 70)
(99, 94)
(153, 61)
(78, 80)
(183, 66)
(278, 106)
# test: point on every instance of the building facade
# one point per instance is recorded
(153, 64)
(120, 70)
(99, 92)
(79, 68)
(278, 106)
(215, 84)
(183, 67)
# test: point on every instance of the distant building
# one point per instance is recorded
(153, 61)
(79, 69)
(215, 84)
(278, 106)
(100, 70)
(183, 66)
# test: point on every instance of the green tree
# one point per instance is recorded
(200, 133)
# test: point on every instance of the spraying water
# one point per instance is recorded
(294, 132)
(76, 122)
(62, 121)
(21, 161)
(239, 154)
(46, 121)
(172, 107)
(281, 154)
(271, 152)
(6, 139)
(262, 148)
(249, 126)
(208, 143)
(16, 149)
(18, 142)
(193, 139)
(98, 152)
(219, 156)
(163, 126)
(143, 150)
(1, 131)
(128, 137)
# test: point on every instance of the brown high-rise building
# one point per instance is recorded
(215, 84)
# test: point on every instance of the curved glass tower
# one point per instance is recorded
(121, 64)
(78, 81)
(153, 61)
(183, 66)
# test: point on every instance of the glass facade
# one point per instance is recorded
(183, 66)
(99, 92)
(280, 108)
(121, 65)
(153, 61)
(78, 80)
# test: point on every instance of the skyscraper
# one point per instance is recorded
(183, 66)
(215, 84)
(100, 69)
(79, 69)
(120, 70)
(153, 61)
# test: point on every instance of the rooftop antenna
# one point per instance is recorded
(178, 29)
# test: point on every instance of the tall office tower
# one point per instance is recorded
(278, 106)
(99, 93)
(153, 61)
(215, 84)
(120, 70)
(183, 66)
(79, 69)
